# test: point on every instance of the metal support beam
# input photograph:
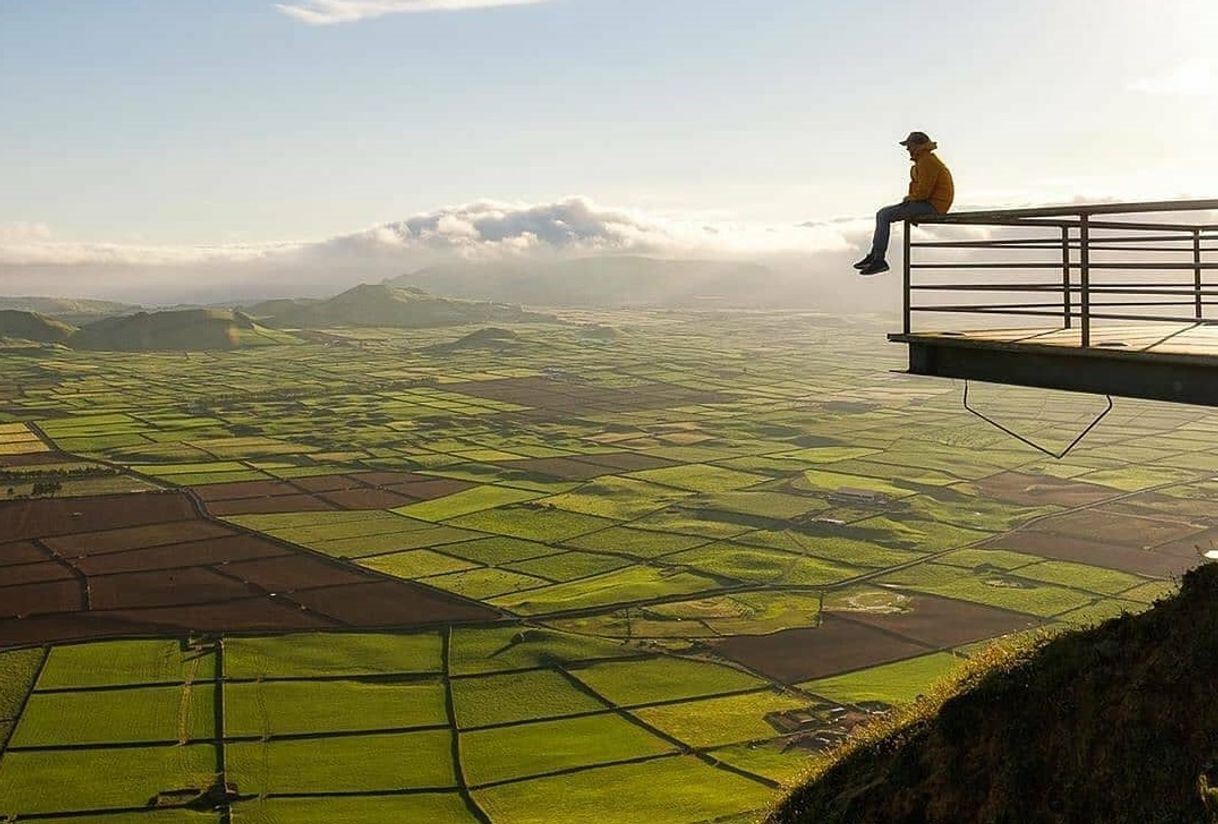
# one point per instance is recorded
(1067, 321)
(1197, 272)
(1084, 275)
(907, 266)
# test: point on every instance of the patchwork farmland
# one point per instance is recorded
(634, 566)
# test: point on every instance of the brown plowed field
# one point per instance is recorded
(33, 573)
(383, 603)
(245, 489)
(44, 517)
(837, 645)
(269, 505)
(431, 488)
(1158, 562)
(943, 622)
(562, 468)
(366, 499)
(147, 563)
(627, 461)
(359, 490)
(1038, 490)
(1127, 530)
(855, 640)
(223, 550)
(36, 459)
(294, 572)
(389, 478)
(20, 552)
(183, 531)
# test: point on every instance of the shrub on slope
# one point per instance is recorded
(1114, 724)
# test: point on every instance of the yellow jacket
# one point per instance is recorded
(930, 179)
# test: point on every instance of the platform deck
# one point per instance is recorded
(1159, 361)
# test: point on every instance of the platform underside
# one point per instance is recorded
(1160, 361)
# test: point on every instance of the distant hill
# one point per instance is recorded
(69, 310)
(603, 282)
(385, 305)
(33, 326)
(278, 306)
(178, 330)
(490, 337)
(1114, 724)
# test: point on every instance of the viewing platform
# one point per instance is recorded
(1108, 299)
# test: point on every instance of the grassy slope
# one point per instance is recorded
(175, 330)
(33, 326)
(381, 305)
(1117, 723)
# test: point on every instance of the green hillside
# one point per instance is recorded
(384, 305)
(179, 330)
(33, 326)
(69, 310)
(1114, 724)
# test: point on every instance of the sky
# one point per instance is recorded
(172, 139)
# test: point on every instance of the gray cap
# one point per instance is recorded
(916, 139)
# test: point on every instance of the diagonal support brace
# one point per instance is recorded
(1033, 444)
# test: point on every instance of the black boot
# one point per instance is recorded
(877, 267)
(865, 262)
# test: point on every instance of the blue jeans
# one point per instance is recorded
(893, 214)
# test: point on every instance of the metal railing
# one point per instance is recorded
(1075, 264)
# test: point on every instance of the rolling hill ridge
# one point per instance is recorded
(388, 306)
(33, 326)
(183, 330)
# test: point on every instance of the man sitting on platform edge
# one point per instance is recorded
(930, 192)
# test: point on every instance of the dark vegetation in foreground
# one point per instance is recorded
(1117, 724)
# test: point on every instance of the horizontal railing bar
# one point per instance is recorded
(1074, 223)
(993, 307)
(969, 310)
(1183, 289)
(1141, 207)
(1173, 266)
(1015, 265)
(1058, 265)
(1058, 246)
(1145, 303)
(986, 287)
(1135, 226)
(1012, 223)
(1192, 321)
(1100, 247)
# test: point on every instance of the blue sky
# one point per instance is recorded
(183, 122)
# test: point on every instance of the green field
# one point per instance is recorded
(669, 527)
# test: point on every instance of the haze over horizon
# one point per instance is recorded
(160, 152)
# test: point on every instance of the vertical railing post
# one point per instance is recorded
(1197, 272)
(908, 281)
(1084, 277)
(1067, 321)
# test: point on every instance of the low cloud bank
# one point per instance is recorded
(32, 259)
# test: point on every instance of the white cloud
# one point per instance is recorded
(12, 233)
(1194, 78)
(31, 258)
(328, 12)
(570, 227)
